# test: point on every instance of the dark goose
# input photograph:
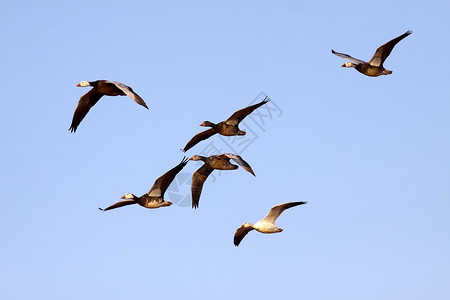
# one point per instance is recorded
(155, 197)
(227, 128)
(99, 89)
(214, 162)
(374, 67)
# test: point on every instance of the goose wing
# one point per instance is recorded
(241, 232)
(119, 204)
(276, 211)
(198, 138)
(84, 105)
(238, 116)
(162, 183)
(346, 56)
(239, 161)
(384, 50)
(198, 179)
(129, 92)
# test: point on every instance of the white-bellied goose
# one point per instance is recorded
(266, 225)
(227, 128)
(155, 197)
(374, 67)
(214, 162)
(99, 89)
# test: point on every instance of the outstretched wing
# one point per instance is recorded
(346, 56)
(384, 50)
(241, 232)
(276, 211)
(162, 183)
(84, 105)
(119, 204)
(129, 92)
(198, 138)
(198, 179)
(238, 116)
(240, 162)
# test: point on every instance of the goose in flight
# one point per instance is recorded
(99, 89)
(155, 197)
(374, 67)
(227, 128)
(266, 225)
(214, 162)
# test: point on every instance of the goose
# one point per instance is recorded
(227, 128)
(214, 162)
(99, 89)
(266, 225)
(155, 197)
(374, 67)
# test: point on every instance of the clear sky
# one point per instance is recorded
(370, 155)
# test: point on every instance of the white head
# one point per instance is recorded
(348, 65)
(84, 83)
(128, 196)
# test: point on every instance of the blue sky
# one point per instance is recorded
(370, 155)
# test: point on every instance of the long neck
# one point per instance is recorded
(203, 158)
(209, 124)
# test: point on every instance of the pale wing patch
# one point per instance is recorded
(240, 162)
(129, 92)
(346, 56)
(155, 192)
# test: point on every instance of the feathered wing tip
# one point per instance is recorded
(346, 56)
(199, 137)
(129, 92)
(240, 161)
(276, 210)
(198, 179)
(119, 204)
(241, 232)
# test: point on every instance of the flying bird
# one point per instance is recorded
(99, 89)
(227, 128)
(374, 67)
(266, 225)
(155, 197)
(214, 162)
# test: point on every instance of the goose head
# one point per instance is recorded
(241, 132)
(128, 196)
(84, 83)
(208, 124)
(196, 157)
(348, 64)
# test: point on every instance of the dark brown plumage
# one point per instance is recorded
(99, 89)
(374, 67)
(155, 197)
(228, 128)
(214, 162)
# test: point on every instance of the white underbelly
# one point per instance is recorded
(266, 227)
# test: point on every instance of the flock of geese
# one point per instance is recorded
(230, 127)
